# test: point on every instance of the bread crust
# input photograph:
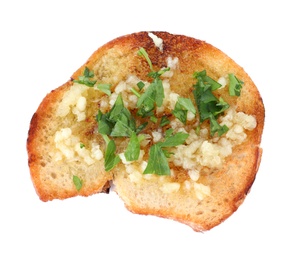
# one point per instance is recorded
(112, 63)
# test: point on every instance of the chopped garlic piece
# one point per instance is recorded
(170, 187)
(201, 190)
(84, 153)
(194, 175)
(222, 81)
(70, 146)
(157, 41)
(73, 101)
(157, 136)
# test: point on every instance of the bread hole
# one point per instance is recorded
(42, 164)
(200, 212)
(53, 175)
(213, 210)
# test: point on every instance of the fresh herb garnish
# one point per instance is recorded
(187, 104)
(154, 94)
(164, 121)
(142, 52)
(140, 85)
(120, 123)
(86, 78)
(104, 88)
(111, 159)
(152, 97)
(180, 113)
(235, 85)
(78, 182)
(133, 149)
(209, 82)
(157, 163)
(208, 105)
(182, 106)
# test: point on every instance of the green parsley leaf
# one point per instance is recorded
(235, 85)
(118, 122)
(140, 85)
(133, 149)
(157, 162)
(174, 140)
(105, 126)
(154, 119)
(164, 121)
(208, 105)
(187, 104)
(216, 127)
(159, 91)
(168, 132)
(124, 126)
(182, 106)
(146, 102)
(78, 182)
(207, 80)
(117, 109)
(104, 88)
(221, 106)
(111, 159)
(153, 96)
(86, 79)
(180, 113)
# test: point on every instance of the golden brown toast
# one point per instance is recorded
(210, 174)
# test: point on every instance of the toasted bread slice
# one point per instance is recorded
(205, 187)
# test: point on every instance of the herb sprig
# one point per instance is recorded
(153, 96)
(119, 122)
(208, 105)
(157, 162)
(235, 85)
(87, 80)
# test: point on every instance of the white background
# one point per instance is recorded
(44, 42)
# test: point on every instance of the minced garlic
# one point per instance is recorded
(157, 41)
(199, 150)
(73, 101)
(69, 146)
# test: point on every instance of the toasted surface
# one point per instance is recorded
(215, 193)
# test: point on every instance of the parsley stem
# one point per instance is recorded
(136, 93)
(142, 52)
(106, 138)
